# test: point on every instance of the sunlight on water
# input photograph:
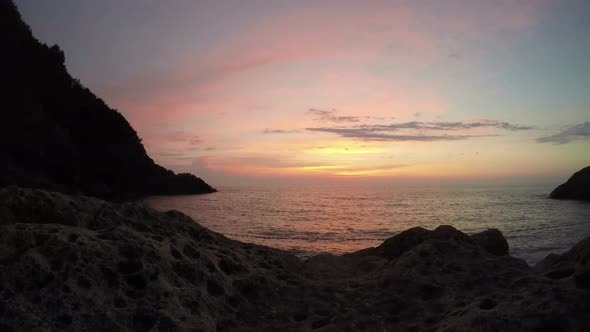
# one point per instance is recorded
(310, 220)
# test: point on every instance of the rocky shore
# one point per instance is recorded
(82, 264)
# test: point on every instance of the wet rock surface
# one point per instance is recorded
(82, 264)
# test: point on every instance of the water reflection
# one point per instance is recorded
(309, 220)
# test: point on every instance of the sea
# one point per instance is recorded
(337, 219)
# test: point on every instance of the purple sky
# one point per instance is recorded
(339, 90)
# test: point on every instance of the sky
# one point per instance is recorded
(338, 91)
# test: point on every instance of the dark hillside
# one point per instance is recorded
(56, 134)
(576, 187)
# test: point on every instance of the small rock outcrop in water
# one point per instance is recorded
(577, 187)
(56, 134)
(78, 263)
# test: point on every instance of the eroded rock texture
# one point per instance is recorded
(82, 264)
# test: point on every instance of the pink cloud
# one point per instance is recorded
(209, 90)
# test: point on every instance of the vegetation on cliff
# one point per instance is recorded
(56, 134)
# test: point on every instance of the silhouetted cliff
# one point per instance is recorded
(56, 134)
(577, 187)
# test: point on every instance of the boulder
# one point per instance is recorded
(77, 263)
(572, 266)
(493, 241)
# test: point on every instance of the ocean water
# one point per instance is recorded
(336, 219)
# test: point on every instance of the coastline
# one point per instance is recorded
(301, 219)
(127, 267)
(73, 262)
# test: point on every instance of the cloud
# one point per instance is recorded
(268, 163)
(253, 164)
(380, 132)
(328, 116)
(276, 61)
(362, 134)
(578, 132)
(170, 154)
(176, 155)
(443, 125)
(184, 137)
(279, 131)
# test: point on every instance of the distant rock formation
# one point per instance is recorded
(56, 134)
(577, 187)
(83, 264)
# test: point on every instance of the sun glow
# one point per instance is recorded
(353, 97)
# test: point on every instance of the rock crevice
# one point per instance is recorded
(77, 263)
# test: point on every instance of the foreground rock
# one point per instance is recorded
(577, 187)
(82, 264)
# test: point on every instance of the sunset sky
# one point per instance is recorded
(338, 90)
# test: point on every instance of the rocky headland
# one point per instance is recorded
(577, 187)
(82, 264)
(56, 134)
